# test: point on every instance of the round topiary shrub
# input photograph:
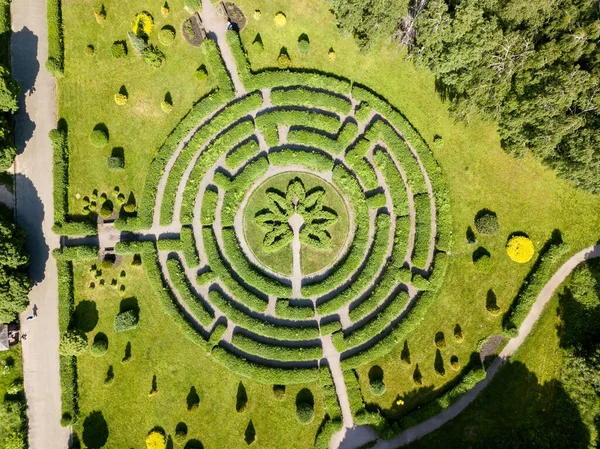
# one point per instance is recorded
(54, 67)
(66, 419)
(89, 50)
(99, 136)
(181, 431)
(440, 340)
(305, 405)
(166, 106)
(201, 73)
(486, 222)
(164, 9)
(107, 209)
(166, 35)
(377, 387)
(121, 99)
(458, 333)
(331, 54)
(520, 248)
(118, 49)
(279, 392)
(73, 342)
(280, 19)
(454, 363)
(303, 44)
(156, 440)
(153, 57)
(100, 345)
(482, 260)
(257, 14)
(284, 61)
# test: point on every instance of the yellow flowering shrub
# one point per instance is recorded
(164, 10)
(120, 99)
(257, 14)
(520, 249)
(143, 24)
(100, 16)
(156, 440)
(331, 54)
(280, 19)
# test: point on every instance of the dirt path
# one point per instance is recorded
(35, 212)
(455, 409)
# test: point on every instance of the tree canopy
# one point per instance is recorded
(9, 90)
(14, 260)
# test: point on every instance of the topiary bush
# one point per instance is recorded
(126, 320)
(455, 363)
(303, 44)
(377, 387)
(440, 340)
(305, 406)
(100, 345)
(280, 19)
(121, 99)
(284, 61)
(486, 222)
(153, 57)
(482, 260)
(166, 35)
(115, 163)
(520, 248)
(118, 49)
(165, 9)
(279, 392)
(181, 431)
(143, 24)
(201, 73)
(166, 106)
(73, 342)
(89, 50)
(156, 440)
(331, 54)
(106, 209)
(458, 333)
(99, 136)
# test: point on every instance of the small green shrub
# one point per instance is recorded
(73, 342)
(486, 222)
(126, 320)
(99, 136)
(482, 260)
(181, 431)
(166, 35)
(377, 387)
(118, 49)
(106, 209)
(89, 50)
(137, 43)
(279, 392)
(153, 57)
(440, 340)
(100, 345)
(115, 163)
(303, 44)
(283, 60)
(201, 73)
(66, 419)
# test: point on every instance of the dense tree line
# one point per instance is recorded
(531, 65)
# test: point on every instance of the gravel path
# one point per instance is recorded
(35, 212)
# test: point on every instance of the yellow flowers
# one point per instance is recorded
(280, 19)
(520, 249)
(143, 24)
(156, 440)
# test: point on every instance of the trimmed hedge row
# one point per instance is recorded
(374, 264)
(393, 180)
(238, 187)
(206, 277)
(330, 400)
(398, 147)
(247, 298)
(375, 326)
(169, 245)
(209, 207)
(228, 137)
(355, 397)
(62, 225)
(539, 275)
(437, 273)
(165, 296)
(217, 67)
(260, 327)
(377, 201)
(56, 49)
(306, 137)
(283, 309)
(278, 353)
(328, 428)
(188, 244)
(300, 96)
(80, 252)
(247, 271)
(422, 230)
(355, 158)
(209, 157)
(186, 294)
(434, 171)
(310, 159)
(243, 152)
(280, 78)
(408, 324)
(217, 334)
(261, 373)
(331, 327)
(348, 185)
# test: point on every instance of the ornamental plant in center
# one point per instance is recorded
(309, 205)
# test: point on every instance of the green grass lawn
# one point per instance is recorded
(159, 349)
(311, 259)
(86, 93)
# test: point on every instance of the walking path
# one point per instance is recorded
(455, 409)
(35, 212)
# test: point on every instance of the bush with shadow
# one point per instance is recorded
(85, 316)
(95, 430)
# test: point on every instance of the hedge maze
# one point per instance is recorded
(267, 325)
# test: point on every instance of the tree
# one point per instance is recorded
(73, 342)
(9, 90)
(14, 260)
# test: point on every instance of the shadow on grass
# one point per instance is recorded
(95, 430)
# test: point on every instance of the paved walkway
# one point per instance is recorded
(35, 212)
(455, 409)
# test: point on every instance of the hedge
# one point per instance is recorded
(218, 128)
(330, 327)
(270, 119)
(283, 309)
(247, 271)
(166, 298)
(328, 428)
(62, 226)
(245, 297)
(315, 139)
(261, 373)
(261, 327)
(280, 78)
(377, 201)
(201, 109)
(375, 326)
(115, 163)
(217, 148)
(537, 278)
(415, 314)
(79, 252)
(393, 180)
(186, 293)
(243, 152)
(348, 185)
(301, 96)
(238, 188)
(188, 244)
(373, 265)
(274, 352)
(355, 158)
(216, 334)
(330, 399)
(209, 207)
(169, 245)
(355, 397)
(313, 160)
(437, 273)
(56, 49)
(206, 277)
(422, 230)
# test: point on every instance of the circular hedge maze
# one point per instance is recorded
(299, 221)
